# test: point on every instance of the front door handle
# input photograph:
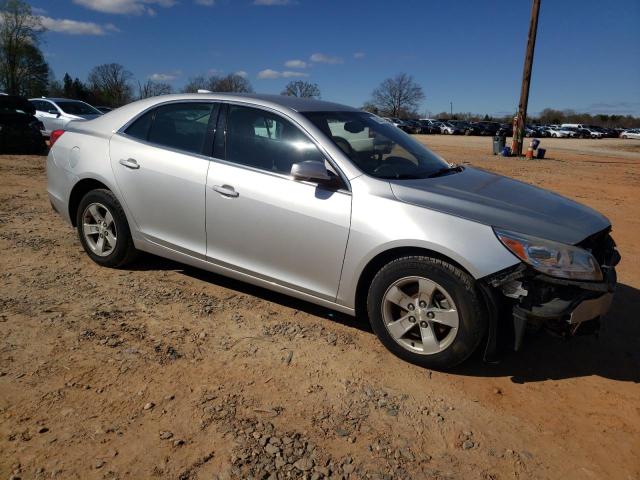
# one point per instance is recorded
(129, 163)
(226, 190)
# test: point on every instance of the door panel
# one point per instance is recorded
(276, 228)
(165, 193)
(51, 121)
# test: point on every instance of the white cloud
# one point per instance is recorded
(359, 55)
(295, 64)
(323, 58)
(123, 7)
(74, 27)
(242, 73)
(270, 74)
(289, 74)
(206, 3)
(274, 3)
(164, 77)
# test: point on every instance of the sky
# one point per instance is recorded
(468, 52)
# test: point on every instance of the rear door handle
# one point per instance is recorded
(226, 190)
(129, 163)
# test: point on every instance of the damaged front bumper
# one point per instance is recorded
(562, 306)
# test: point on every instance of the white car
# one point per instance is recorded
(55, 113)
(631, 133)
(559, 132)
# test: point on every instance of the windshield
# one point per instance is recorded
(377, 147)
(78, 108)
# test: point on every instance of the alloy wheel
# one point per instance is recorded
(420, 315)
(99, 229)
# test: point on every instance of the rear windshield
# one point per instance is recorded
(78, 108)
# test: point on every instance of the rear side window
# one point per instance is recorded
(140, 128)
(181, 125)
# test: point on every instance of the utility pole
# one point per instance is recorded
(451, 108)
(521, 117)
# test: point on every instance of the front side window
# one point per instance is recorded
(263, 140)
(182, 126)
(376, 146)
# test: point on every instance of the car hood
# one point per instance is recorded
(502, 202)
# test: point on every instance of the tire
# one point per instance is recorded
(116, 227)
(453, 290)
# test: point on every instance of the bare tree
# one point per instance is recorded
(371, 108)
(153, 89)
(194, 84)
(111, 83)
(300, 88)
(22, 66)
(399, 96)
(229, 83)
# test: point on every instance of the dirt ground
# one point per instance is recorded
(163, 371)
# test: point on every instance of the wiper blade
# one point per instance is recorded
(445, 170)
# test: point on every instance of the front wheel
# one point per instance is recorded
(426, 311)
(103, 229)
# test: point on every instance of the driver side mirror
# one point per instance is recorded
(309, 170)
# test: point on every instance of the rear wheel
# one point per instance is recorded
(426, 311)
(103, 229)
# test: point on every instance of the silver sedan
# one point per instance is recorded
(337, 207)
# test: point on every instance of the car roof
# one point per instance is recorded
(294, 103)
(119, 117)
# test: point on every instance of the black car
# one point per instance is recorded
(20, 130)
(417, 126)
(428, 126)
(491, 127)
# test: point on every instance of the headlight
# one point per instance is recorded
(552, 258)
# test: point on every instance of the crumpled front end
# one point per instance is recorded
(566, 307)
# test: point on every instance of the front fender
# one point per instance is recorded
(381, 223)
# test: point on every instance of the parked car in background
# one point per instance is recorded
(631, 133)
(414, 126)
(19, 128)
(434, 125)
(448, 128)
(578, 132)
(595, 132)
(491, 127)
(55, 113)
(504, 130)
(431, 253)
(559, 132)
(404, 125)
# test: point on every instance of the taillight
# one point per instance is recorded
(55, 135)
